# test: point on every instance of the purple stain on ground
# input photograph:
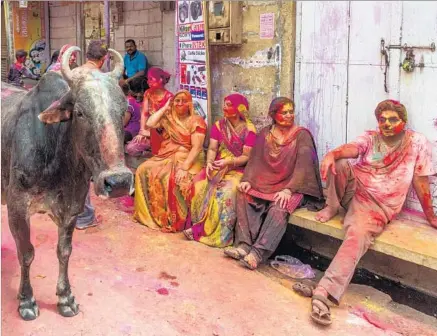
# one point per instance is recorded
(435, 123)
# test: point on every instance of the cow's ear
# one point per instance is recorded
(58, 111)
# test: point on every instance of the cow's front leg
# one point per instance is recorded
(19, 225)
(66, 305)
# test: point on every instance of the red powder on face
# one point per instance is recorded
(399, 128)
(162, 291)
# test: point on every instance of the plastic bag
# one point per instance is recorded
(292, 267)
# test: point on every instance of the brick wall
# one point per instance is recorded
(141, 21)
(62, 24)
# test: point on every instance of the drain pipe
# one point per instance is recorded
(107, 24)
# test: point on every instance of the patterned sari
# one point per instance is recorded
(213, 212)
(159, 202)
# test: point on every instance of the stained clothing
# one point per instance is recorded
(213, 208)
(373, 192)
(16, 73)
(135, 63)
(274, 167)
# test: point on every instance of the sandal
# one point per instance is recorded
(250, 261)
(188, 234)
(304, 288)
(236, 253)
(319, 315)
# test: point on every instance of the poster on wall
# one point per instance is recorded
(29, 34)
(192, 53)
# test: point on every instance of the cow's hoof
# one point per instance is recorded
(28, 309)
(67, 307)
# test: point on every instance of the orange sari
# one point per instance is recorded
(159, 202)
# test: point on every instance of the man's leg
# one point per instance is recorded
(361, 229)
(87, 218)
(340, 190)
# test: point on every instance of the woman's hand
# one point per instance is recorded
(220, 164)
(209, 169)
(181, 175)
(282, 198)
(168, 105)
(244, 187)
(142, 135)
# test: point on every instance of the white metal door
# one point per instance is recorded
(340, 71)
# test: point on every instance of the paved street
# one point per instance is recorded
(130, 280)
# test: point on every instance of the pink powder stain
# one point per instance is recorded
(109, 145)
(127, 201)
(174, 284)
(162, 291)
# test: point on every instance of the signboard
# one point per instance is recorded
(267, 26)
(192, 54)
(29, 34)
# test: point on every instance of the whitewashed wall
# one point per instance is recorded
(339, 76)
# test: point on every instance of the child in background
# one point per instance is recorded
(18, 70)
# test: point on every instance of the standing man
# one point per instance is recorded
(135, 63)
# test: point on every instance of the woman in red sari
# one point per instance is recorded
(163, 183)
(281, 175)
(213, 210)
(154, 98)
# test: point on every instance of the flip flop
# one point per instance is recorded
(188, 234)
(322, 317)
(304, 288)
(245, 263)
(235, 252)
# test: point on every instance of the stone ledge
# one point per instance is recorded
(403, 239)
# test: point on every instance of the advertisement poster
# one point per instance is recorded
(192, 55)
(29, 34)
(267, 26)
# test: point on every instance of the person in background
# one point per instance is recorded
(56, 66)
(132, 116)
(17, 70)
(154, 98)
(54, 59)
(135, 63)
(96, 56)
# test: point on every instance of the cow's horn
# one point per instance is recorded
(119, 64)
(65, 64)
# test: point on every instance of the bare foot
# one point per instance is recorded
(326, 214)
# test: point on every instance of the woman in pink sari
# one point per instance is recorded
(213, 212)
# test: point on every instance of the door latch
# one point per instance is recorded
(409, 62)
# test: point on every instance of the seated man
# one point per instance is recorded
(373, 192)
(282, 174)
(135, 63)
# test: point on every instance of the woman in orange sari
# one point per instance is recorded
(213, 212)
(163, 183)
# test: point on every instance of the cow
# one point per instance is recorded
(56, 137)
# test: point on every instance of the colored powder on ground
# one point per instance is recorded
(162, 291)
(166, 276)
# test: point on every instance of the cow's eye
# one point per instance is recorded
(79, 114)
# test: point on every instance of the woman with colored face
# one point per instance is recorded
(213, 208)
(154, 98)
(57, 65)
(163, 183)
(281, 175)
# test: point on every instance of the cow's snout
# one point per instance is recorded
(115, 183)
